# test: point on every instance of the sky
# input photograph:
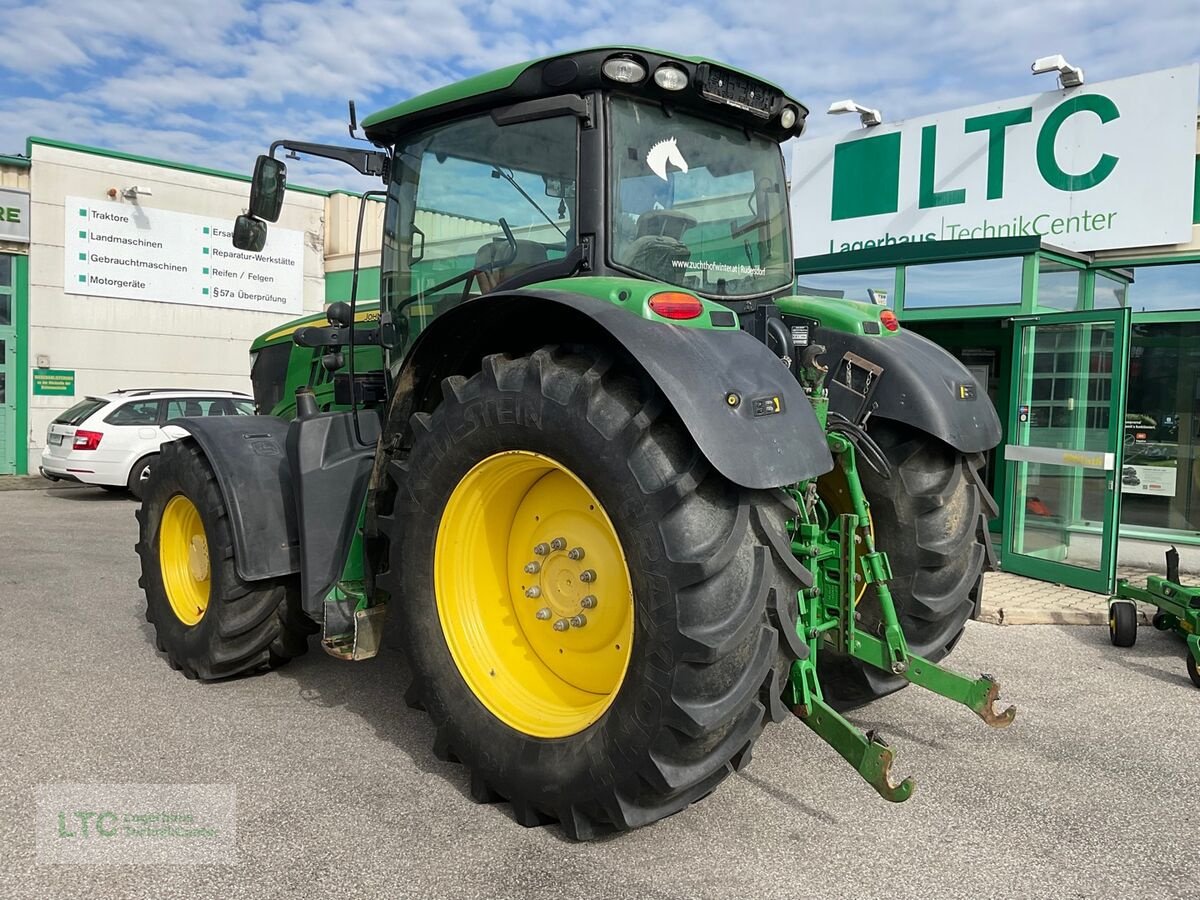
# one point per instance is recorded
(212, 83)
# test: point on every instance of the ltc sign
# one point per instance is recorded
(1090, 168)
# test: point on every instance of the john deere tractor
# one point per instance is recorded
(626, 497)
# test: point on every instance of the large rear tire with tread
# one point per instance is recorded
(210, 623)
(930, 517)
(711, 593)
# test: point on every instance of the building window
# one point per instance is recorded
(863, 285)
(1160, 472)
(1165, 288)
(1058, 286)
(1109, 292)
(979, 282)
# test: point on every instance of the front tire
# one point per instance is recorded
(696, 570)
(210, 623)
(930, 517)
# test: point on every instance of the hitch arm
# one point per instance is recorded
(977, 694)
(870, 756)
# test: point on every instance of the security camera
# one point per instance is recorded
(134, 191)
(1069, 76)
(867, 116)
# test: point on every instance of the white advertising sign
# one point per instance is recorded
(1158, 480)
(1097, 167)
(14, 216)
(136, 253)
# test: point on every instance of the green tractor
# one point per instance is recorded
(626, 497)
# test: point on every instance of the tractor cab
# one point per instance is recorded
(618, 162)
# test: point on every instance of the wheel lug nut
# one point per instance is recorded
(541, 549)
(575, 553)
(579, 621)
(587, 576)
(558, 544)
(588, 602)
(543, 614)
(562, 625)
(533, 593)
(532, 568)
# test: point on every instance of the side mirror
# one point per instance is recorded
(267, 188)
(249, 233)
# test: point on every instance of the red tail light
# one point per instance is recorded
(87, 440)
(889, 320)
(676, 305)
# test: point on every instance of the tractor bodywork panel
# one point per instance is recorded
(331, 470)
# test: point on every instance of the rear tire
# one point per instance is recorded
(930, 518)
(711, 587)
(210, 623)
(1193, 669)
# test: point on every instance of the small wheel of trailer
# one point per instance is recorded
(210, 623)
(930, 517)
(598, 623)
(1122, 623)
(1193, 669)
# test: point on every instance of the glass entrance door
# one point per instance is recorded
(8, 362)
(1066, 430)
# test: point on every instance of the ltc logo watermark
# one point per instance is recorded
(1102, 166)
(124, 824)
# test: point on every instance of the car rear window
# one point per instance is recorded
(80, 411)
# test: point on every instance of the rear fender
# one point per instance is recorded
(716, 380)
(921, 385)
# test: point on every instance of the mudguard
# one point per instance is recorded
(722, 383)
(921, 385)
(249, 457)
(293, 490)
(330, 470)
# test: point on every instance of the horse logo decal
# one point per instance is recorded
(662, 154)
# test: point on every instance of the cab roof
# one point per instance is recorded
(565, 73)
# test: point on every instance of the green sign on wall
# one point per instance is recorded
(54, 382)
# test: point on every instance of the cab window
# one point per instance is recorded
(473, 204)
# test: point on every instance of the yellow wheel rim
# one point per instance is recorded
(183, 560)
(533, 594)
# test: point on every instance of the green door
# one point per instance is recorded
(8, 365)
(1066, 427)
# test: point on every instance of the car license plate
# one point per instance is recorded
(56, 439)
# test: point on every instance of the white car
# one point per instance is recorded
(112, 440)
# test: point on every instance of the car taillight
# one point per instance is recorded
(676, 305)
(889, 320)
(87, 440)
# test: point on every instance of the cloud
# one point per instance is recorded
(213, 83)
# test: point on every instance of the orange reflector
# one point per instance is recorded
(676, 305)
(889, 320)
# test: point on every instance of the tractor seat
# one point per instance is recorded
(664, 223)
(659, 256)
(528, 255)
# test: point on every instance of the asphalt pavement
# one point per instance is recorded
(1091, 793)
